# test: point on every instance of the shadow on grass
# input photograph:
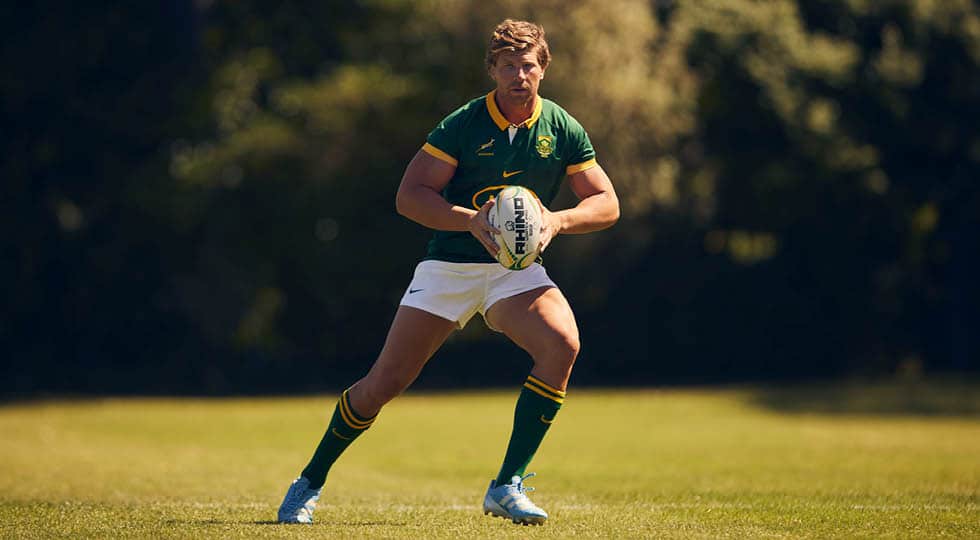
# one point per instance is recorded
(932, 397)
(383, 523)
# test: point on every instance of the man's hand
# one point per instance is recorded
(479, 226)
(550, 227)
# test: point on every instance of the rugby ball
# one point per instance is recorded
(516, 213)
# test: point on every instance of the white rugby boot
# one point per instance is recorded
(511, 502)
(299, 503)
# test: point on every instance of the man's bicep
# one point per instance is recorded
(427, 170)
(589, 182)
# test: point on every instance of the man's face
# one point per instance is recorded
(517, 76)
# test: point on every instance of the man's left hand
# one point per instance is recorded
(550, 227)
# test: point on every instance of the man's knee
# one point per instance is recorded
(562, 349)
(570, 347)
(379, 389)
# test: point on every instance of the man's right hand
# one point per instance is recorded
(479, 226)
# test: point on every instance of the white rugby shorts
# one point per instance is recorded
(457, 291)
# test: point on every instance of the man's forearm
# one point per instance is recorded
(593, 213)
(423, 205)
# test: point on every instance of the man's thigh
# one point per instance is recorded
(542, 323)
(413, 338)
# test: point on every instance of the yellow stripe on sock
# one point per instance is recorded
(348, 415)
(349, 420)
(542, 393)
(545, 386)
(356, 418)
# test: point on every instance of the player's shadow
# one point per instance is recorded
(381, 523)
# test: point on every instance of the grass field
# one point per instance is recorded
(810, 462)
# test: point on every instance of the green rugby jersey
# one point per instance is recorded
(475, 139)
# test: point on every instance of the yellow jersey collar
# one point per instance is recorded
(502, 122)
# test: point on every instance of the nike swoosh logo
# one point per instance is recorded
(413, 291)
(547, 420)
(509, 174)
(341, 436)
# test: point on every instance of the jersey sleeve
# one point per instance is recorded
(443, 142)
(581, 155)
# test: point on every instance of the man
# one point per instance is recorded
(510, 136)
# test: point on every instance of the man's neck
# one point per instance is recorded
(515, 113)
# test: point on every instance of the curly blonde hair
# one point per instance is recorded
(512, 36)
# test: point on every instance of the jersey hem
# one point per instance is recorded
(470, 260)
(458, 259)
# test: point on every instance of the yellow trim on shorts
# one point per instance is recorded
(579, 167)
(439, 154)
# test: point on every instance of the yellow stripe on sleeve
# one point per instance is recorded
(439, 154)
(579, 167)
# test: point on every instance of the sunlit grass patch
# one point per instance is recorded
(682, 463)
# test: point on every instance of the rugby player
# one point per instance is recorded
(509, 136)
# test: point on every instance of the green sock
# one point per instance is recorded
(345, 426)
(536, 409)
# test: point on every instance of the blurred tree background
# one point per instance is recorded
(199, 194)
